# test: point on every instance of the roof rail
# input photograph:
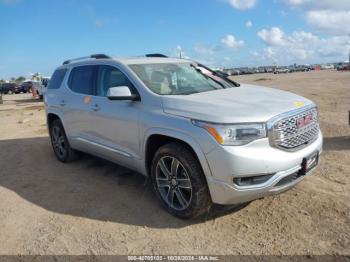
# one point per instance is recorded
(95, 56)
(155, 55)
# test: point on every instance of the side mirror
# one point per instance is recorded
(121, 93)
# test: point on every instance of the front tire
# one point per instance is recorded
(179, 181)
(60, 144)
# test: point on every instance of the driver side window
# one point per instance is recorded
(109, 76)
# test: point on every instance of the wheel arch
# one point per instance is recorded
(52, 117)
(158, 137)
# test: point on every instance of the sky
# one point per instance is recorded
(38, 35)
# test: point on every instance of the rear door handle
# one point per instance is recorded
(95, 107)
(62, 103)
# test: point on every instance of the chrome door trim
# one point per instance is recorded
(105, 147)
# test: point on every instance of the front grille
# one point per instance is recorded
(286, 134)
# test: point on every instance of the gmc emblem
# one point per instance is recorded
(304, 121)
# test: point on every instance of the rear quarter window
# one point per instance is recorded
(56, 79)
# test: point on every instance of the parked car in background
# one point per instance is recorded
(3, 89)
(25, 87)
(246, 71)
(235, 72)
(9, 88)
(298, 68)
(292, 69)
(281, 70)
(327, 67)
(39, 90)
(302, 68)
(343, 67)
(45, 81)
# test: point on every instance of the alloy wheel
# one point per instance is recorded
(58, 141)
(173, 183)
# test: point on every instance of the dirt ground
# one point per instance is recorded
(95, 207)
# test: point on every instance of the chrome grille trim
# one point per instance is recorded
(284, 133)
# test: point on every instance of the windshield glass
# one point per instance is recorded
(178, 78)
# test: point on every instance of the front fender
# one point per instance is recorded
(183, 137)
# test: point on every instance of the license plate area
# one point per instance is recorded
(309, 163)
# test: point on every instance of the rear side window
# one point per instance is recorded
(81, 79)
(56, 79)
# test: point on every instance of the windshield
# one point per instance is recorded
(178, 78)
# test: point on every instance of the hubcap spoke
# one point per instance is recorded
(174, 167)
(61, 140)
(163, 182)
(170, 196)
(164, 168)
(55, 134)
(63, 150)
(184, 183)
(181, 198)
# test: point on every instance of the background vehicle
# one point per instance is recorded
(343, 66)
(327, 67)
(25, 87)
(28, 85)
(281, 70)
(9, 88)
(39, 89)
(45, 81)
(201, 137)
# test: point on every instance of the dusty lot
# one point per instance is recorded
(94, 207)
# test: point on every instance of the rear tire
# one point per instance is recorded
(179, 181)
(60, 145)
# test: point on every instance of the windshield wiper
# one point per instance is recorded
(207, 77)
(220, 74)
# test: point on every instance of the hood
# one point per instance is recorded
(246, 103)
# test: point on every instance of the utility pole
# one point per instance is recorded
(179, 50)
(349, 55)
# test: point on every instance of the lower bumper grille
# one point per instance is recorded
(289, 179)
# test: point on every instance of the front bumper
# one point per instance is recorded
(254, 159)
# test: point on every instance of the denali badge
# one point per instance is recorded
(304, 121)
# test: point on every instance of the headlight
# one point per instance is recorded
(235, 134)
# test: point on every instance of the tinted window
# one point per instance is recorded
(109, 76)
(81, 79)
(57, 78)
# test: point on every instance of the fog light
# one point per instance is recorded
(252, 180)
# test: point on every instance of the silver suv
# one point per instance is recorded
(201, 137)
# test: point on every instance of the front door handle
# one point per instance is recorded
(95, 107)
(62, 103)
